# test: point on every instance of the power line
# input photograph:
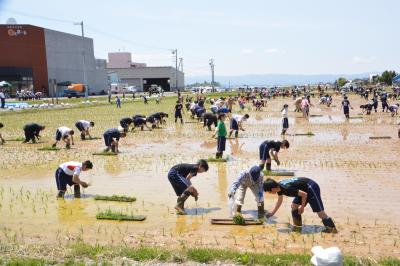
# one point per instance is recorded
(39, 16)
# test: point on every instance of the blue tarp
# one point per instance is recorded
(396, 79)
(16, 105)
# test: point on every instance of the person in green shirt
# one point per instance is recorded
(220, 131)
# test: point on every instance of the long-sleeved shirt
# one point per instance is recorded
(246, 180)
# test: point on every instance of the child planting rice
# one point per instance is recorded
(125, 123)
(111, 139)
(237, 123)
(68, 174)
(140, 121)
(305, 191)
(209, 119)
(66, 135)
(346, 105)
(220, 131)
(253, 179)
(180, 178)
(271, 148)
(83, 126)
(32, 131)
(178, 111)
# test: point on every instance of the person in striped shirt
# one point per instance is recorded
(253, 179)
(68, 174)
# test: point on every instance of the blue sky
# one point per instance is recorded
(243, 37)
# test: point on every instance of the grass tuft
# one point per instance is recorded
(215, 160)
(105, 153)
(278, 173)
(115, 198)
(118, 216)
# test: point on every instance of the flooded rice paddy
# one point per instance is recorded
(359, 180)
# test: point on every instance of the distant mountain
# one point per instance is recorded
(275, 79)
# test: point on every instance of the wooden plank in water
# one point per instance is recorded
(230, 222)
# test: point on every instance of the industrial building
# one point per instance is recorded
(142, 76)
(34, 58)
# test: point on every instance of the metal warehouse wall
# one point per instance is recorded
(64, 60)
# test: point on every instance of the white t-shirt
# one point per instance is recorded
(71, 168)
(285, 113)
(2, 96)
(85, 124)
(238, 118)
(64, 131)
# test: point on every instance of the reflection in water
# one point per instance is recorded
(69, 211)
(112, 165)
(304, 230)
(345, 132)
(222, 187)
(235, 147)
(209, 144)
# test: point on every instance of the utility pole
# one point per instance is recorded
(175, 52)
(212, 74)
(83, 59)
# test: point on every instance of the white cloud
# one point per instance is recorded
(247, 51)
(363, 60)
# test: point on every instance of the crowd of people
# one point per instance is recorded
(214, 112)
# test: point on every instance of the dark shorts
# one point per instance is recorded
(221, 142)
(285, 123)
(264, 152)
(313, 197)
(176, 181)
(234, 124)
(346, 110)
(107, 140)
(139, 122)
(178, 114)
(58, 135)
(124, 125)
(62, 180)
(79, 126)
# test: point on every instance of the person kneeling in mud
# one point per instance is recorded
(270, 148)
(209, 119)
(305, 191)
(253, 179)
(83, 126)
(180, 178)
(68, 174)
(111, 139)
(65, 134)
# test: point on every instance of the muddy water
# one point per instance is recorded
(359, 180)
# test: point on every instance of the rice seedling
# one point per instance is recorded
(278, 173)
(105, 153)
(309, 133)
(49, 148)
(381, 137)
(239, 220)
(115, 198)
(217, 160)
(118, 216)
(16, 139)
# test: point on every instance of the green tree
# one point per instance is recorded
(387, 77)
(341, 81)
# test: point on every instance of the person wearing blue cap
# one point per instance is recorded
(253, 179)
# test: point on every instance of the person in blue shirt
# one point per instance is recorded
(304, 191)
(253, 179)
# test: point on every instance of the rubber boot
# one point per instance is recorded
(77, 191)
(230, 133)
(297, 221)
(261, 211)
(329, 225)
(54, 145)
(180, 206)
(261, 165)
(283, 132)
(238, 209)
(113, 148)
(83, 136)
(217, 155)
(236, 134)
(60, 194)
(68, 146)
(268, 166)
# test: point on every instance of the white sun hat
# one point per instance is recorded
(326, 257)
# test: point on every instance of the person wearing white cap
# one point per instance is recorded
(326, 257)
